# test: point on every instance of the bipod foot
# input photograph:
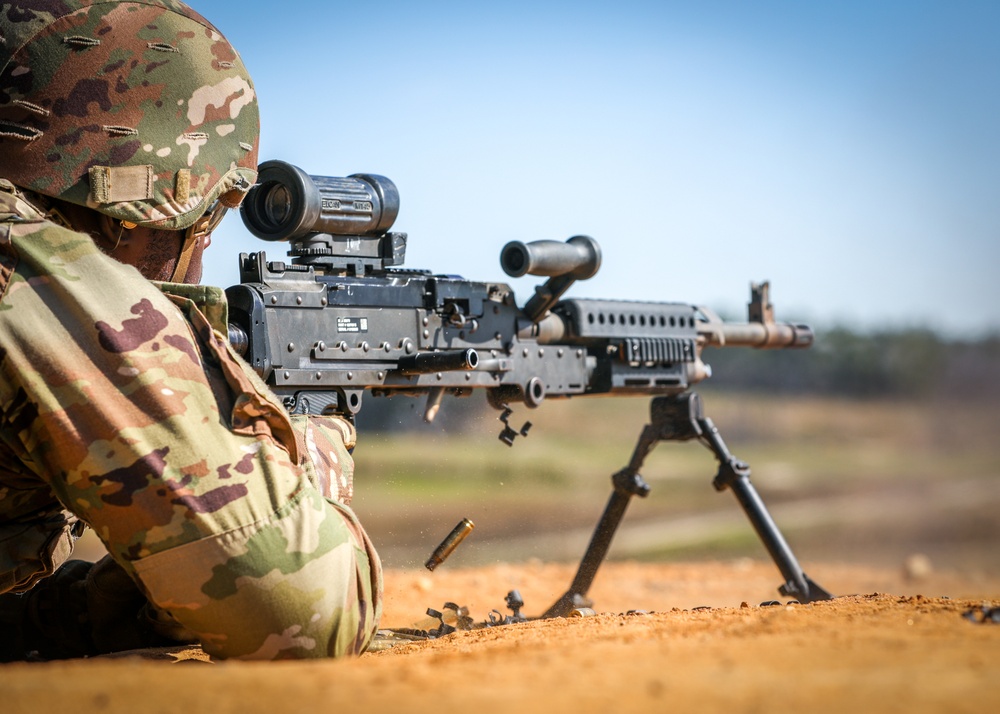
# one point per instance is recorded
(812, 593)
(567, 603)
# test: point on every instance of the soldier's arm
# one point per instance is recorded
(142, 422)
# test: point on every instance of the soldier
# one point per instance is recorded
(127, 129)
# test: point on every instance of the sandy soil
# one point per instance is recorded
(900, 644)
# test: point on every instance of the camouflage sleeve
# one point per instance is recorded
(328, 443)
(33, 547)
(137, 415)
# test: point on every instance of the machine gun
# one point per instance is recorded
(343, 318)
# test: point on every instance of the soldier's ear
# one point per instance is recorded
(110, 232)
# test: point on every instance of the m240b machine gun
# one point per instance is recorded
(343, 318)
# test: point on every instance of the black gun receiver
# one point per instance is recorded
(342, 318)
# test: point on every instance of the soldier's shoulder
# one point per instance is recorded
(14, 207)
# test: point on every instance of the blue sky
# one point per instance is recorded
(847, 151)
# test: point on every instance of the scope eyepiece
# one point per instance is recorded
(287, 204)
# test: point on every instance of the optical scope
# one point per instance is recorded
(287, 204)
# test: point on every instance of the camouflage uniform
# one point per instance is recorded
(134, 415)
(122, 405)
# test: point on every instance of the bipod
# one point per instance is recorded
(681, 418)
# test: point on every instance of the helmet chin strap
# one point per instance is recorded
(193, 235)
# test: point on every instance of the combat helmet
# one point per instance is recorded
(138, 109)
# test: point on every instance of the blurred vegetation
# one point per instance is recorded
(909, 363)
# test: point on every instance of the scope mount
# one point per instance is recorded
(355, 255)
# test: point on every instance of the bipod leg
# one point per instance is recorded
(672, 418)
(626, 483)
(735, 475)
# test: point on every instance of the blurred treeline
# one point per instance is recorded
(912, 363)
(905, 364)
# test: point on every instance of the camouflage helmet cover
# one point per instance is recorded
(140, 109)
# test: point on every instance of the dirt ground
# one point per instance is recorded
(701, 641)
(915, 478)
